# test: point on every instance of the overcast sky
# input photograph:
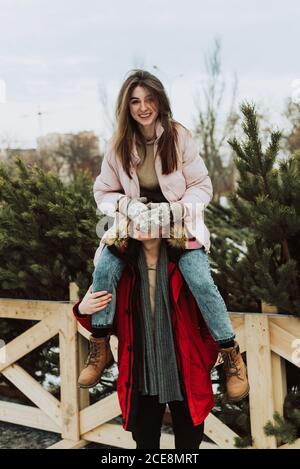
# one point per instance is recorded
(54, 55)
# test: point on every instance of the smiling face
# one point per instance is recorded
(143, 108)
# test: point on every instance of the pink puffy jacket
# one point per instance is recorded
(190, 184)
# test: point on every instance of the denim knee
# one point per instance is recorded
(108, 267)
(194, 265)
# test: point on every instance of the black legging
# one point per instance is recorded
(149, 419)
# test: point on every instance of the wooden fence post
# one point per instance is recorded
(260, 376)
(279, 381)
(83, 350)
(278, 368)
(68, 352)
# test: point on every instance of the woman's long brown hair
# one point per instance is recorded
(127, 126)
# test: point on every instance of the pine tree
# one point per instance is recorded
(228, 249)
(286, 428)
(47, 236)
(267, 202)
(47, 239)
(254, 242)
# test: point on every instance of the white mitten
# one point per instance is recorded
(173, 211)
(163, 209)
(148, 219)
(117, 232)
(132, 207)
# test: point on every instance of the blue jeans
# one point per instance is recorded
(195, 268)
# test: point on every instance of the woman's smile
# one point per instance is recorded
(144, 109)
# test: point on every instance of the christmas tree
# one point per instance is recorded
(228, 248)
(267, 203)
(255, 255)
(47, 236)
(47, 240)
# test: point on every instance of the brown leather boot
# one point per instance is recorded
(100, 357)
(237, 384)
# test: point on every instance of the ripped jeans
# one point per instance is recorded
(195, 268)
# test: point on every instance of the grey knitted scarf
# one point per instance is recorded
(160, 372)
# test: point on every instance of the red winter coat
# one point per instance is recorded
(196, 351)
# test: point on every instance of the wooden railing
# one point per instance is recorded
(268, 339)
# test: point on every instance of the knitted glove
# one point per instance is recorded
(172, 213)
(164, 214)
(148, 219)
(132, 207)
(176, 210)
(117, 234)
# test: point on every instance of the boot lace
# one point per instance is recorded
(230, 364)
(94, 354)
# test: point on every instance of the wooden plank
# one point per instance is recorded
(206, 445)
(261, 398)
(83, 331)
(237, 319)
(217, 431)
(30, 339)
(114, 347)
(267, 308)
(30, 309)
(35, 392)
(240, 337)
(282, 343)
(289, 324)
(111, 435)
(114, 435)
(73, 292)
(28, 416)
(69, 444)
(102, 411)
(83, 350)
(68, 358)
(279, 382)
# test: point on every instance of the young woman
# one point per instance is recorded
(152, 158)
